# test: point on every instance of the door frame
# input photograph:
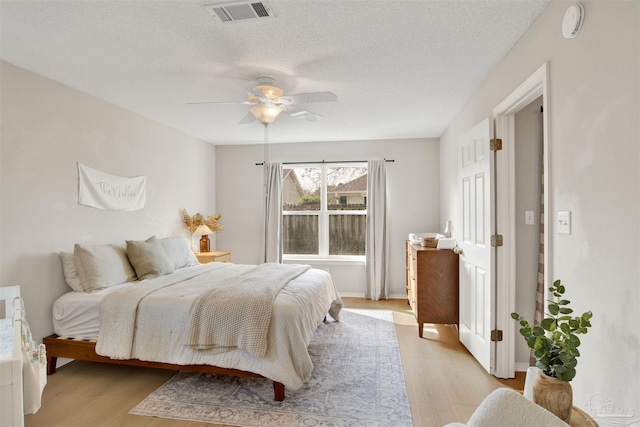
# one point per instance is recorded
(505, 273)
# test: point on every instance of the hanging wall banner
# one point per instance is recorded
(110, 192)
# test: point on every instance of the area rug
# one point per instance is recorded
(357, 381)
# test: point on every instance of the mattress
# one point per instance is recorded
(77, 314)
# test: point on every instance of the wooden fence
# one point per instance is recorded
(331, 207)
(347, 234)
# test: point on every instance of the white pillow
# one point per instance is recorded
(178, 251)
(148, 258)
(101, 266)
(70, 272)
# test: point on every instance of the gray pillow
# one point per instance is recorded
(101, 266)
(178, 251)
(148, 258)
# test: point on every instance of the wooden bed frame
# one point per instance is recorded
(86, 350)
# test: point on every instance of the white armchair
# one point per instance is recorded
(505, 407)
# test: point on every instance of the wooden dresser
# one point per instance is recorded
(432, 285)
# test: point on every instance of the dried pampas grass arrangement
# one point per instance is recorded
(192, 222)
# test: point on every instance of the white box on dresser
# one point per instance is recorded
(11, 413)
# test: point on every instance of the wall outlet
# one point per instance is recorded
(564, 222)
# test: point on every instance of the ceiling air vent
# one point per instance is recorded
(240, 11)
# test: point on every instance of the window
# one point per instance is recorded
(324, 210)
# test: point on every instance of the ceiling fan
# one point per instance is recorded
(268, 101)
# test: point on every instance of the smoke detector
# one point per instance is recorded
(572, 21)
(240, 11)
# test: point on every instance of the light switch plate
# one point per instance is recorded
(564, 222)
(528, 218)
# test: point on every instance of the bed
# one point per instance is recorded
(146, 322)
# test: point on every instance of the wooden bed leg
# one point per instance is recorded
(51, 365)
(278, 391)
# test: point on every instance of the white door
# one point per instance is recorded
(476, 296)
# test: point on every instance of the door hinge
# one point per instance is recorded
(496, 240)
(495, 144)
(496, 335)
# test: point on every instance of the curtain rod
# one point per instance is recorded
(329, 161)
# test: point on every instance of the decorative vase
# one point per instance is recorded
(553, 395)
(532, 372)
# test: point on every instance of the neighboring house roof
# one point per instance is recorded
(288, 173)
(357, 185)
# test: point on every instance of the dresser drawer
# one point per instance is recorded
(223, 258)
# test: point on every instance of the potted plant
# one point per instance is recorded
(555, 345)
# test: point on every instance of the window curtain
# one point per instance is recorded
(273, 213)
(377, 242)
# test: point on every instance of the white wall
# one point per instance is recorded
(594, 108)
(46, 129)
(413, 190)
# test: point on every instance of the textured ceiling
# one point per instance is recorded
(400, 69)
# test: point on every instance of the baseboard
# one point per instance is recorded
(521, 367)
(358, 295)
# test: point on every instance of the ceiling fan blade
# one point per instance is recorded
(299, 113)
(248, 118)
(308, 98)
(222, 103)
(251, 89)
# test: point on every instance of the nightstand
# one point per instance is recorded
(214, 256)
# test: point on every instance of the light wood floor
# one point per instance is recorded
(444, 383)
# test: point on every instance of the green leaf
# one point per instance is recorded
(538, 331)
(541, 365)
(566, 310)
(569, 374)
(544, 358)
(563, 302)
(548, 324)
(565, 328)
(515, 316)
(553, 308)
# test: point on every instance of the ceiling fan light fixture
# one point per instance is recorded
(266, 114)
(271, 92)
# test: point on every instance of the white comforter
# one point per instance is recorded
(158, 328)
